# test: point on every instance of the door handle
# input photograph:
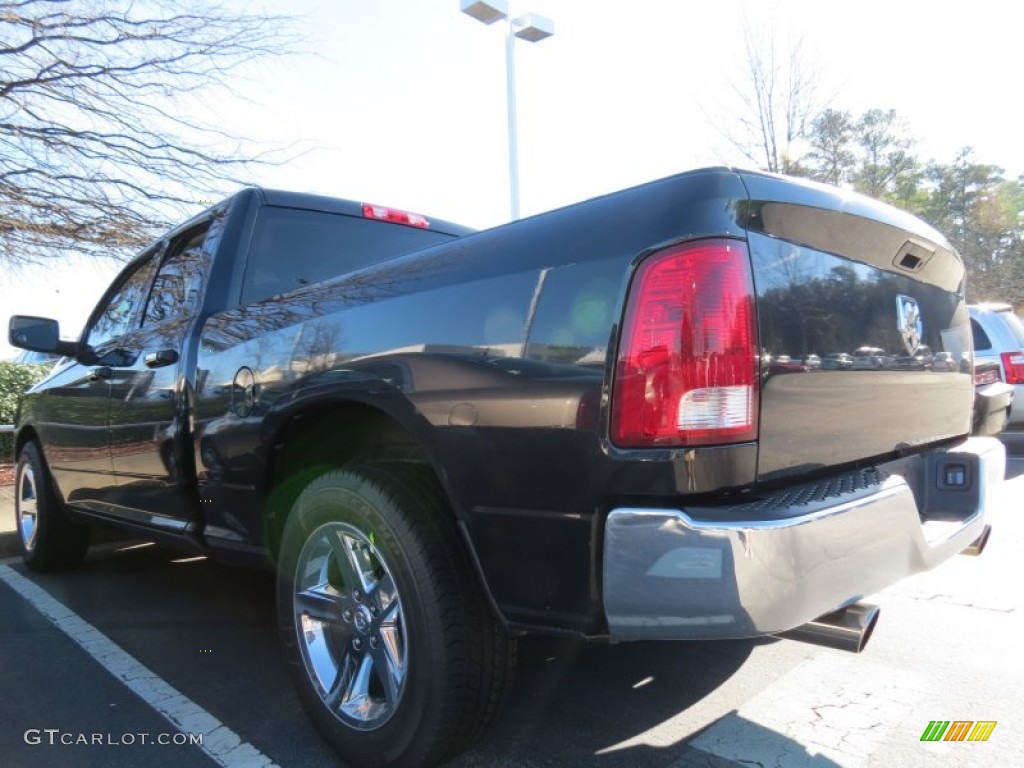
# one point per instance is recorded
(102, 373)
(161, 358)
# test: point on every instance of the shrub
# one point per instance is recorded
(14, 380)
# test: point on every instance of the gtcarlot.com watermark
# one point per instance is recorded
(56, 737)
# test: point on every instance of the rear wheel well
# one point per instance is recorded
(26, 435)
(322, 439)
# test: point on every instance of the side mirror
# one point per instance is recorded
(39, 334)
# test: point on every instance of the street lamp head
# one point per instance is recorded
(487, 11)
(533, 28)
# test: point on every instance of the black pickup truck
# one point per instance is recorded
(572, 423)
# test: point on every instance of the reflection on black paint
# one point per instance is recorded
(813, 302)
(854, 405)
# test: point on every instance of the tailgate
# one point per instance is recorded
(835, 274)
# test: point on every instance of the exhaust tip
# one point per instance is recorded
(847, 629)
(977, 546)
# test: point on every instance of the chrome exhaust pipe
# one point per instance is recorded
(847, 629)
(977, 546)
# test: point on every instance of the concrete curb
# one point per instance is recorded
(9, 544)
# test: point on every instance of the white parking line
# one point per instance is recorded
(223, 745)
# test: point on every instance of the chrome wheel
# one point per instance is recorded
(350, 625)
(51, 540)
(392, 646)
(28, 506)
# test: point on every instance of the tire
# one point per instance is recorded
(50, 539)
(390, 641)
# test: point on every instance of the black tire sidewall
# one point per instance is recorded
(357, 497)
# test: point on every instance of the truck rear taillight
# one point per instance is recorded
(395, 216)
(687, 370)
(990, 376)
(1013, 367)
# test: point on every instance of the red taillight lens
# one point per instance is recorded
(395, 216)
(687, 367)
(982, 378)
(1013, 367)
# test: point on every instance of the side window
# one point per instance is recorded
(121, 313)
(574, 318)
(981, 340)
(179, 281)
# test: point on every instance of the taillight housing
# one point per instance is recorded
(1013, 367)
(687, 368)
(989, 376)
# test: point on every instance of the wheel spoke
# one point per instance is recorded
(346, 670)
(353, 563)
(394, 647)
(322, 603)
(384, 596)
(389, 670)
(356, 701)
(28, 502)
(391, 651)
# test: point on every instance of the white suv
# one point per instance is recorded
(999, 336)
(869, 359)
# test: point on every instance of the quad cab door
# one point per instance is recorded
(75, 407)
(148, 420)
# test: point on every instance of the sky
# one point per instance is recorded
(402, 102)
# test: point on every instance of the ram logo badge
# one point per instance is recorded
(909, 322)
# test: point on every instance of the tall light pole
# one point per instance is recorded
(531, 28)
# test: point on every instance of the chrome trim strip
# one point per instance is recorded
(762, 525)
(135, 516)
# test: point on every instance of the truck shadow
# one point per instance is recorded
(573, 703)
(580, 704)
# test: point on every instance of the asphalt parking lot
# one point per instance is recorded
(144, 646)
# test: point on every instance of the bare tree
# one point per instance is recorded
(777, 102)
(98, 146)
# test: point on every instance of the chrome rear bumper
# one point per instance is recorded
(783, 559)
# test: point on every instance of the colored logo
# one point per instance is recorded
(958, 730)
(908, 322)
